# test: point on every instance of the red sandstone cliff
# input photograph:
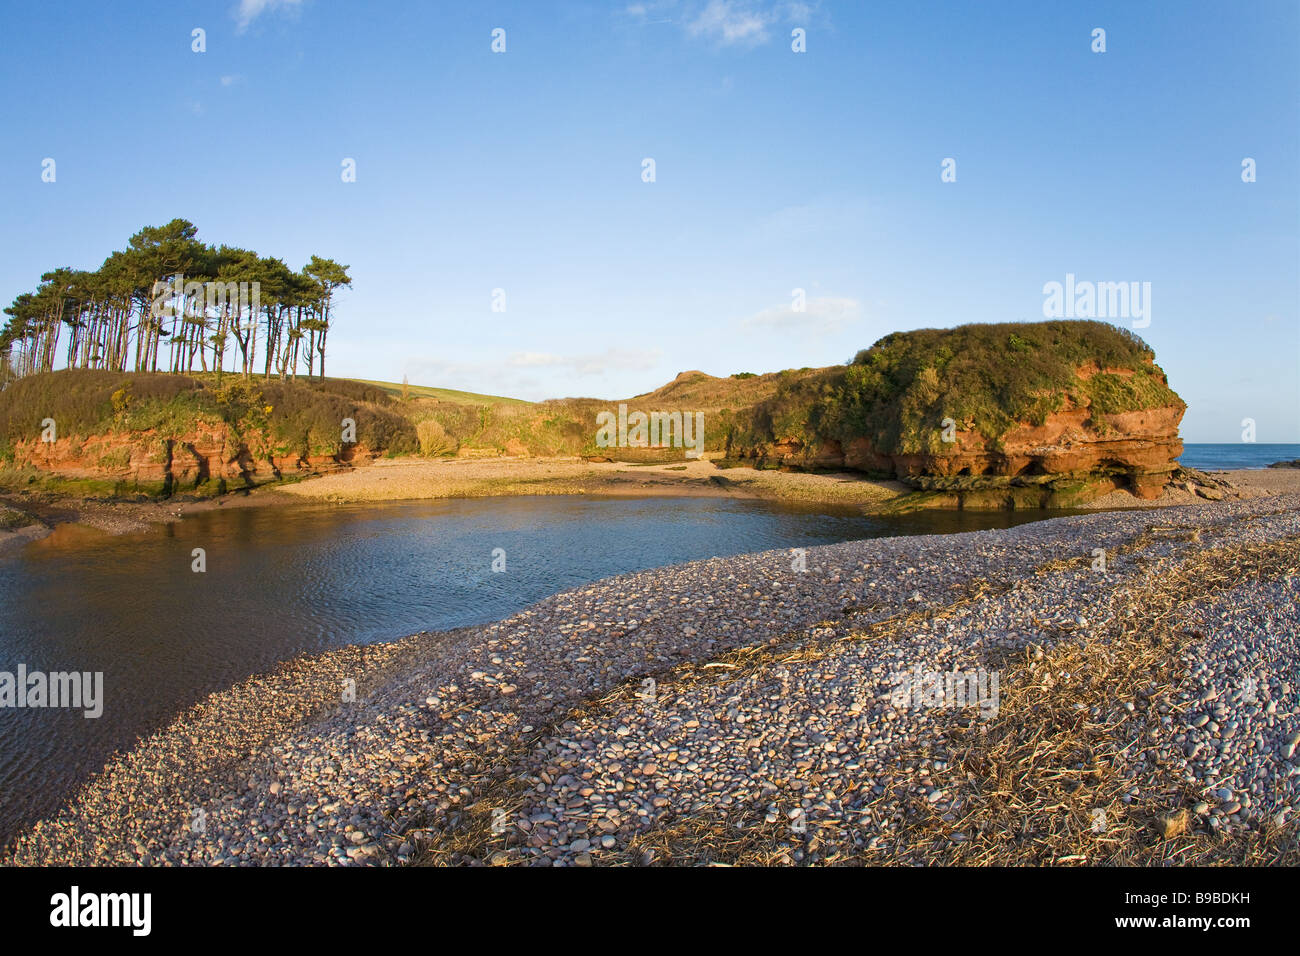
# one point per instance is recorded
(144, 461)
(1077, 453)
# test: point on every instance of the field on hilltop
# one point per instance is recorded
(456, 396)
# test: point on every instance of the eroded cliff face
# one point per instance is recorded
(1076, 454)
(209, 460)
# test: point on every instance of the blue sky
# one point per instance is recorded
(775, 171)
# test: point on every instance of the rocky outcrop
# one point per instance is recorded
(1072, 454)
(1047, 427)
(209, 460)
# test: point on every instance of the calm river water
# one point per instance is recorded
(281, 582)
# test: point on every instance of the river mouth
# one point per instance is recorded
(280, 582)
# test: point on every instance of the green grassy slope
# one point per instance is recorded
(441, 394)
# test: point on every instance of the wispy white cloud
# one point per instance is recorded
(250, 10)
(231, 79)
(534, 360)
(724, 22)
(589, 364)
(838, 213)
(470, 376)
(731, 22)
(818, 316)
(650, 11)
(531, 375)
(744, 22)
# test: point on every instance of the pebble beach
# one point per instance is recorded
(747, 710)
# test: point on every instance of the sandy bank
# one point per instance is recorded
(396, 479)
(417, 478)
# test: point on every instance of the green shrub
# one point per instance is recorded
(357, 391)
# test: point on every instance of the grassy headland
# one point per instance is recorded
(1088, 392)
(115, 433)
(987, 378)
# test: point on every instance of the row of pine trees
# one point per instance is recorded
(169, 302)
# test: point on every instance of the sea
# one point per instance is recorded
(1229, 457)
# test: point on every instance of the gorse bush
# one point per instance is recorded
(240, 399)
